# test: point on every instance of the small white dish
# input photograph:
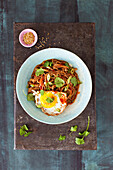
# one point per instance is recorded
(22, 41)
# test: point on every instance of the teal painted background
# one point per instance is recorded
(98, 11)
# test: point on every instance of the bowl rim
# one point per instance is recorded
(50, 123)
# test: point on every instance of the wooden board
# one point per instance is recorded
(80, 39)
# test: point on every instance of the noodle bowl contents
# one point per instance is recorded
(53, 85)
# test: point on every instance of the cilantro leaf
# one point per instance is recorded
(27, 134)
(79, 141)
(32, 85)
(30, 97)
(79, 82)
(42, 92)
(49, 99)
(59, 82)
(62, 137)
(66, 64)
(50, 64)
(85, 133)
(39, 106)
(73, 129)
(22, 132)
(46, 64)
(24, 127)
(74, 81)
(39, 72)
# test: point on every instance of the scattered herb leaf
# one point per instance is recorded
(27, 134)
(49, 99)
(73, 128)
(59, 82)
(74, 81)
(39, 72)
(42, 92)
(62, 137)
(30, 97)
(23, 131)
(79, 141)
(85, 133)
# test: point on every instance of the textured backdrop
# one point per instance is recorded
(98, 11)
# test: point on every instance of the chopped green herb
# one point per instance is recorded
(85, 133)
(49, 99)
(60, 95)
(27, 134)
(23, 131)
(48, 77)
(24, 127)
(46, 64)
(59, 82)
(42, 92)
(79, 141)
(69, 70)
(72, 70)
(58, 110)
(27, 86)
(24, 93)
(66, 88)
(30, 97)
(39, 72)
(74, 81)
(62, 137)
(79, 82)
(66, 64)
(50, 83)
(50, 64)
(32, 85)
(39, 106)
(73, 128)
(69, 79)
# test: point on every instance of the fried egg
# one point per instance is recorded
(51, 103)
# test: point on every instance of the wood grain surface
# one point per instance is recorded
(80, 39)
(101, 13)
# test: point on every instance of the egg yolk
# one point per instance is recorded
(44, 101)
